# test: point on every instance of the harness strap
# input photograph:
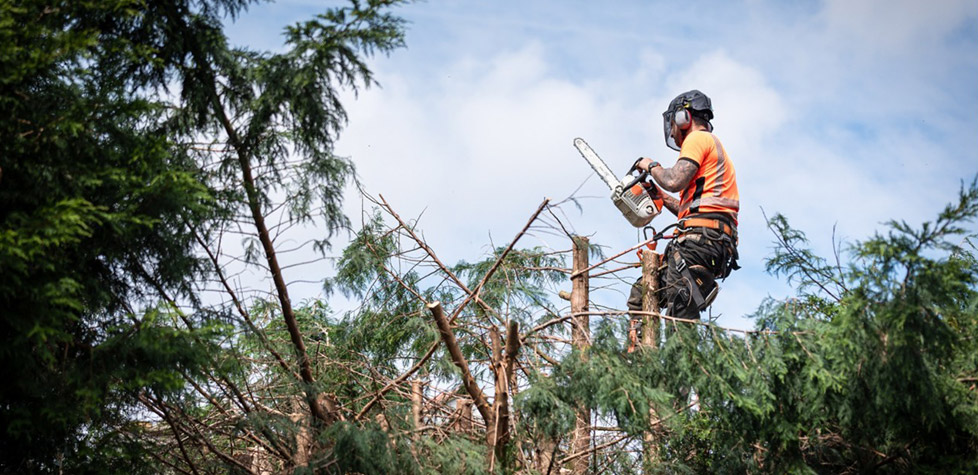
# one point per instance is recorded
(709, 223)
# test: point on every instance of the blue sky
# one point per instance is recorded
(840, 114)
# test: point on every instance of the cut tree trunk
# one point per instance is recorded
(581, 340)
(650, 341)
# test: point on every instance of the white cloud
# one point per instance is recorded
(494, 136)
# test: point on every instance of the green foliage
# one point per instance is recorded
(873, 378)
(366, 450)
(275, 107)
(93, 202)
(371, 449)
(455, 455)
(870, 368)
(391, 320)
(519, 283)
(545, 413)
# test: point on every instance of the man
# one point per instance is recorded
(705, 248)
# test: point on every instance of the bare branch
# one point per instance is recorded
(481, 402)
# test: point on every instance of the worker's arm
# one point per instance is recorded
(670, 203)
(673, 179)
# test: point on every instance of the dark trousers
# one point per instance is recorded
(709, 254)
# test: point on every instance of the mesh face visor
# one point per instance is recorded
(667, 117)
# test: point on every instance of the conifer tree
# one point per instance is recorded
(134, 133)
(871, 367)
(93, 198)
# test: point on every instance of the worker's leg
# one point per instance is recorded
(702, 256)
(638, 293)
(634, 304)
(678, 297)
(635, 296)
(706, 257)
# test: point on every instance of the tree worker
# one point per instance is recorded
(705, 246)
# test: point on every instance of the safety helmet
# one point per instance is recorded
(681, 110)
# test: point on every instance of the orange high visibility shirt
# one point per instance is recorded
(713, 189)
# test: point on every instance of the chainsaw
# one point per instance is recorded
(628, 194)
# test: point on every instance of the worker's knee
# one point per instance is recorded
(706, 283)
(635, 296)
(680, 292)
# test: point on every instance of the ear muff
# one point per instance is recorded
(683, 119)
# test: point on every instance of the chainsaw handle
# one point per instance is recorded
(635, 167)
(643, 174)
(636, 181)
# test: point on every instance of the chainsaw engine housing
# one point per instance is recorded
(634, 203)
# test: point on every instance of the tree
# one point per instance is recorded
(859, 372)
(260, 128)
(895, 358)
(93, 198)
(106, 193)
(870, 368)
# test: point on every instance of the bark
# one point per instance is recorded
(650, 341)
(496, 415)
(303, 437)
(581, 340)
(546, 448)
(464, 408)
(504, 363)
(650, 301)
(498, 430)
(417, 397)
(281, 289)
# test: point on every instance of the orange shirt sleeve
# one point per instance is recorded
(696, 147)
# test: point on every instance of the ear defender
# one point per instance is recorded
(682, 119)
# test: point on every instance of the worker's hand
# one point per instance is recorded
(643, 163)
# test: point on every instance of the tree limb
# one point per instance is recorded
(471, 387)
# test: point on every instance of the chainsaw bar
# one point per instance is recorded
(627, 194)
(597, 164)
